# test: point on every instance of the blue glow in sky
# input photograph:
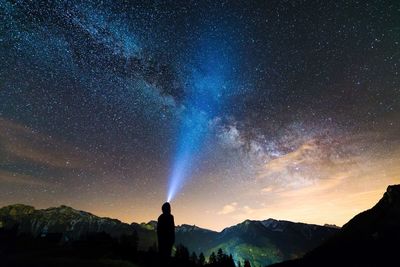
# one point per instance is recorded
(207, 93)
(192, 133)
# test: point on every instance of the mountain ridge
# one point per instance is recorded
(28, 209)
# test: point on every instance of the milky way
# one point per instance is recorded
(284, 109)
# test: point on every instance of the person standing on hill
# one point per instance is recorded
(165, 231)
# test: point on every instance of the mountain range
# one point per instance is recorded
(371, 238)
(261, 242)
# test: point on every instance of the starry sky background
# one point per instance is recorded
(290, 109)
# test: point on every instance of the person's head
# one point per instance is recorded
(166, 208)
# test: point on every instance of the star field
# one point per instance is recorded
(284, 109)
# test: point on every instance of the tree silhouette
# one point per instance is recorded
(213, 258)
(247, 263)
(182, 253)
(202, 259)
(221, 259)
(220, 256)
(193, 258)
(230, 261)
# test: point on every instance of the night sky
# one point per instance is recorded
(233, 109)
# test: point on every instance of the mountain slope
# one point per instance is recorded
(68, 221)
(147, 237)
(371, 238)
(195, 238)
(261, 242)
(270, 241)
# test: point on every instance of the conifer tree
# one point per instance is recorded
(202, 259)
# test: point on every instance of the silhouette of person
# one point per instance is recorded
(165, 231)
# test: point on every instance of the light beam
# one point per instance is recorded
(208, 88)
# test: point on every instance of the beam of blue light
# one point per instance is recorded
(208, 84)
(192, 133)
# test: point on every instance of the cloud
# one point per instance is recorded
(312, 153)
(21, 179)
(315, 159)
(19, 143)
(267, 189)
(247, 210)
(229, 208)
(30, 157)
(305, 154)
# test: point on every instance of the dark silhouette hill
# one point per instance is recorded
(371, 238)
